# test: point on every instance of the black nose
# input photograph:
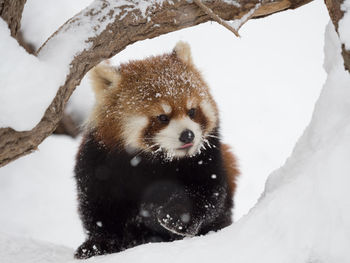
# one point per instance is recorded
(186, 136)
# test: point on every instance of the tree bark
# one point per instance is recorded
(127, 27)
(67, 126)
(11, 12)
(335, 12)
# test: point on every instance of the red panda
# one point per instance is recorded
(151, 166)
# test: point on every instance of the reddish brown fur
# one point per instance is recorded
(230, 165)
(141, 89)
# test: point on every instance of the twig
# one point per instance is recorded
(247, 16)
(215, 17)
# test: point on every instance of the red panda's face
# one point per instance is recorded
(171, 128)
(159, 105)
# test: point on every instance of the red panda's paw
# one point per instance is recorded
(178, 221)
(92, 247)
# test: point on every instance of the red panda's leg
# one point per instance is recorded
(210, 206)
(188, 213)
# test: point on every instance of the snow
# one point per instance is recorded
(74, 35)
(232, 2)
(135, 161)
(33, 17)
(35, 33)
(24, 250)
(26, 87)
(266, 85)
(39, 201)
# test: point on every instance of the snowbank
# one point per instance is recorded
(55, 15)
(38, 195)
(27, 86)
(22, 250)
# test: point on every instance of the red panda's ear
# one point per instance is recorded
(104, 77)
(183, 51)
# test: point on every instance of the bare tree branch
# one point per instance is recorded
(11, 12)
(215, 17)
(346, 57)
(67, 126)
(128, 25)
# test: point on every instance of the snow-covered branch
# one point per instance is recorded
(339, 11)
(99, 32)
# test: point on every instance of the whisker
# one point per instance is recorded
(207, 142)
(213, 136)
(158, 150)
(144, 150)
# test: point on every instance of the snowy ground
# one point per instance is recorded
(266, 84)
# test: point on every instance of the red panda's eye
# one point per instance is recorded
(192, 113)
(163, 118)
